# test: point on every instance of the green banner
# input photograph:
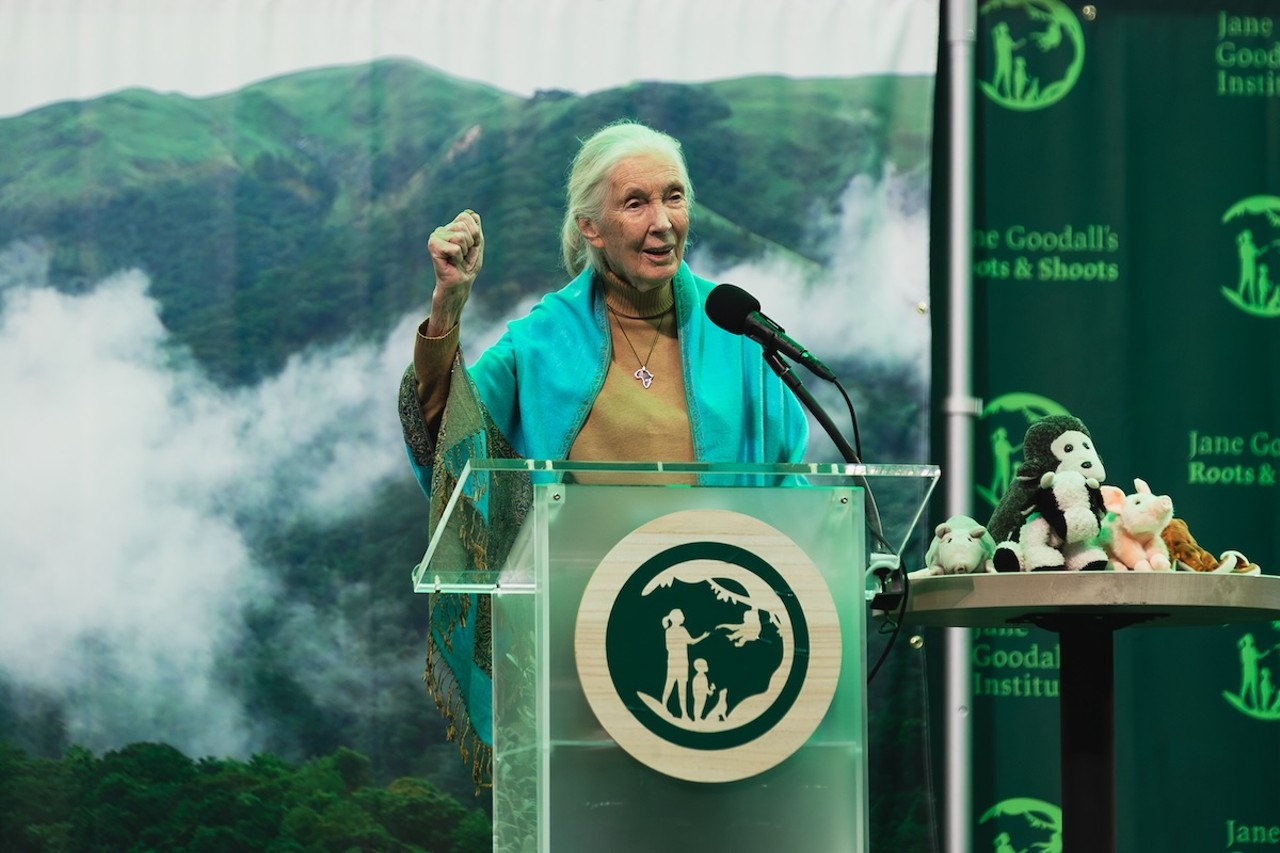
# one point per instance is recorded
(1126, 250)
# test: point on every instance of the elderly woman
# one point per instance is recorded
(621, 364)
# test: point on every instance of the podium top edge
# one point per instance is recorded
(809, 469)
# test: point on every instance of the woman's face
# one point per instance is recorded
(645, 221)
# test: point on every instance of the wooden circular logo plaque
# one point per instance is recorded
(708, 645)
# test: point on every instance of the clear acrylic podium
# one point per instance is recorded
(570, 771)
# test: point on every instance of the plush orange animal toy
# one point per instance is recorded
(1184, 549)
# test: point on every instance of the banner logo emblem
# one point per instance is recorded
(1007, 418)
(1258, 695)
(1255, 229)
(1025, 823)
(708, 645)
(1035, 50)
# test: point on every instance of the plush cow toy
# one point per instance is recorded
(1050, 517)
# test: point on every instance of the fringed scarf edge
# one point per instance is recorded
(446, 693)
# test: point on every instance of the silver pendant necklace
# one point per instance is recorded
(644, 375)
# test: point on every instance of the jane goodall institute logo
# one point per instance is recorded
(1034, 52)
(708, 645)
(1254, 225)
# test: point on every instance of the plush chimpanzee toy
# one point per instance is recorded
(1051, 514)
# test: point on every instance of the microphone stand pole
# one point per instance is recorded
(885, 564)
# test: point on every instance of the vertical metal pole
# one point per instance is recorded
(961, 408)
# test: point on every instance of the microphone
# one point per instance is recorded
(734, 310)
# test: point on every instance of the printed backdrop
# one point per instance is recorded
(212, 230)
(1127, 271)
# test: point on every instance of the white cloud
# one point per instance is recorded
(125, 477)
(865, 304)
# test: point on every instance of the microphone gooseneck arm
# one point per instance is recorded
(771, 336)
(789, 378)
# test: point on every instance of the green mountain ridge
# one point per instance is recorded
(294, 211)
(136, 137)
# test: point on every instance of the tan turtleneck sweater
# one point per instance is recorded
(628, 422)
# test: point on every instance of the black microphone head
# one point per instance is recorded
(729, 307)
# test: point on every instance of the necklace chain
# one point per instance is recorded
(643, 374)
